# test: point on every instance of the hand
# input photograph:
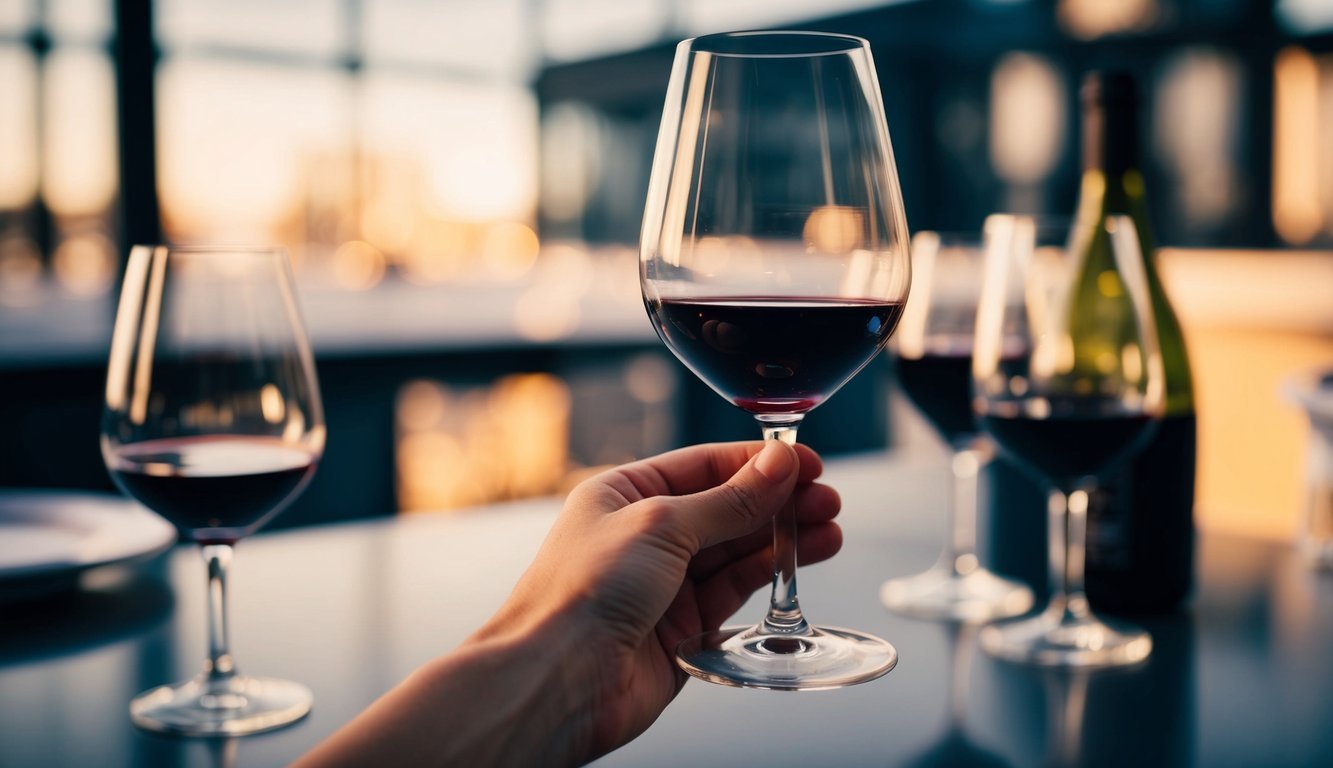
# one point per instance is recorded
(581, 657)
(648, 554)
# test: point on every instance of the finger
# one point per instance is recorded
(815, 503)
(727, 590)
(696, 468)
(744, 502)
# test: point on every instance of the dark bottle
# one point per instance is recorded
(1140, 556)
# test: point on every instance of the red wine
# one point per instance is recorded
(1065, 441)
(940, 386)
(774, 355)
(1140, 549)
(215, 489)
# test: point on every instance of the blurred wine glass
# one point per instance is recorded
(1068, 383)
(213, 420)
(933, 347)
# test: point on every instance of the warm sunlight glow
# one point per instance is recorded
(650, 379)
(1296, 131)
(543, 315)
(835, 230)
(1090, 19)
(1027, 118)
(436, 253)
(79, 174)
(391, 202)
(271, 404)
(509, 249)
(570, 160)
(477, 143)
(1196, 136)
(232, 138)
(358, 266)
(459, 448)
(18, 128)
(20, 271)
(85, 264)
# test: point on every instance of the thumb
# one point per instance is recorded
(747, 500)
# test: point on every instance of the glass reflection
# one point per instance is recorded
(1143, 716)
(956, 746)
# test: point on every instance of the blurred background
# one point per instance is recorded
(460, 184)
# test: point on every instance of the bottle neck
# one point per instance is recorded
(1110, 137)
(1112, 181)
(1111, 144)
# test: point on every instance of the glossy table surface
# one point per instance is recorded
(1244, 677)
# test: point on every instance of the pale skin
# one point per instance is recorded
(580, 659)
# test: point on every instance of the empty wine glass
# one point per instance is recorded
(933, 347)
(774, 264)
(213, 420)
(1069, 383)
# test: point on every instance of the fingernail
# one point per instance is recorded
(775, 462)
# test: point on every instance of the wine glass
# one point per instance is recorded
(1069, 383)
(933, 347)
(774, 264)
(213, 420)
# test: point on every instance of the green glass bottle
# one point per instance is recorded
(1140, 556)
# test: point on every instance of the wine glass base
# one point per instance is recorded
(748, 657)
(941, 593)
(1055, 639)
(234, 707)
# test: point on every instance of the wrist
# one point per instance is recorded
(531, 689)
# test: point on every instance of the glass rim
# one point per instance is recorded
(775, 44)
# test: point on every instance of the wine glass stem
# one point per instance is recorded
(959, 555)
(219, 665)
(784, 607)
(1068, 528)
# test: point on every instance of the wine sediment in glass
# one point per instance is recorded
(774, 355)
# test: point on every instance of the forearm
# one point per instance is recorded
(506, 699)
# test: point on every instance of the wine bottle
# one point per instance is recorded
(1140, 545)
(1141, 520)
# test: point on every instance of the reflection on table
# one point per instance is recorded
(1242, 678)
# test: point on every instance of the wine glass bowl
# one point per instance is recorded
(773, 264)
(933, 352)
(212, 419)
(1069, 383)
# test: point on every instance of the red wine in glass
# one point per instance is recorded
(939, 384)
(1066, 440)
(934, 357)
(774, 264)
(212, 418)
(216, 489)
(774, 355)
(1090, 396)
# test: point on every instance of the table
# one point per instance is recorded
(1245, 677)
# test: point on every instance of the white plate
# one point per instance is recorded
(48, 538)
